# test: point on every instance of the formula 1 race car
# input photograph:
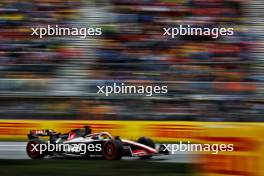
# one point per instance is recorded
(84, 143)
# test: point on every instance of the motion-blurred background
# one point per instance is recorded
(55, 78)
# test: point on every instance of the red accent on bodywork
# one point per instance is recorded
(71, 135)
(139, 152)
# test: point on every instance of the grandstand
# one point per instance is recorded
(56, 77)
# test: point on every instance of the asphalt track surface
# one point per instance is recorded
(17, 150)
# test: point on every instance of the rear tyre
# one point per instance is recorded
(148, 142)
(33, 149)
(113, 150)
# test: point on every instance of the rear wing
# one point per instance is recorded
(36, 133)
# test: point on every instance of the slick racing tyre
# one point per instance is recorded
(113, 150)
(148, 142)
(33, 149)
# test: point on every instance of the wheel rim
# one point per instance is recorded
(32, 153)
(110, 150)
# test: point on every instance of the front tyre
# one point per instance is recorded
(113, 150)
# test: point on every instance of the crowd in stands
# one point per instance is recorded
(135, 49)
(209, 79)
(23, 55)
